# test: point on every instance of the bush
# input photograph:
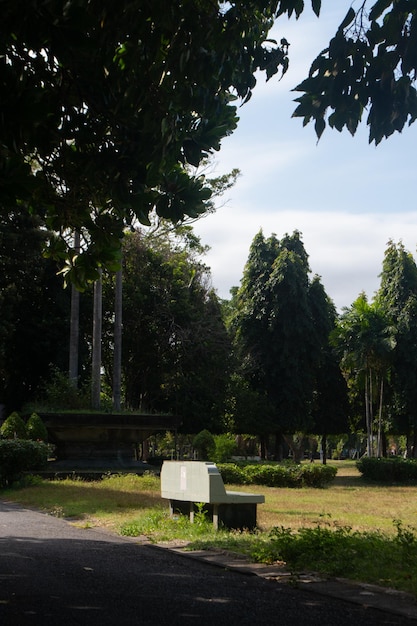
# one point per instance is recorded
(203, 442)
(273, 475)
(392, 470)
(13, 427)
(18, 456)
(61, 394)
(231, 473)
(278, 475)
(313, 475)
(36, 429)
(224, 447)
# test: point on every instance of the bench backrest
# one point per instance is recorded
(193, 481)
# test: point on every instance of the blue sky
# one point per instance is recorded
(348, 198)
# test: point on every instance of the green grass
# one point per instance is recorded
(352, 529)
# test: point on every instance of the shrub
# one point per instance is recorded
(313, 475)
(60, 393)
(18, 456)
(13, 427)
(231, 473)
(278, 475)
(392, 470)
(273, 475)
(224, 447)
(36, 429)
(203, 442)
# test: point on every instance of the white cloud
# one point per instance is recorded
(345, 249)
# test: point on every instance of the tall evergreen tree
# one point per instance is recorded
(330, 404)
(397, 296)
(278, 338)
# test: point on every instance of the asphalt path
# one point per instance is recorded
(53, 573)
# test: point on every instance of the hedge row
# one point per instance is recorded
(20, 455)
(388, 470)
(311, 475)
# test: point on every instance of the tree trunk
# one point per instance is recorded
(384, 445)
(264, 446)
(414, 446)
(324, 449)
(96, 357)
(117, 356)
(381, 395)
(296, 446)
(368, 417)
(371, 414)
(74, 326)
(279, 447)
(409, 446)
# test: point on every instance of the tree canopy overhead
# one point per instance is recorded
(106, 105)
(369, 66)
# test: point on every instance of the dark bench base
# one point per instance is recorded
(238, 516)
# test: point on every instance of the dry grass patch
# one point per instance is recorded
(349, 501)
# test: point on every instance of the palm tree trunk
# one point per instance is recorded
(324, 449)
(381, 395)
(96, 357)
(371, 412)
(117, 356)
(368, 418)
(74, 326)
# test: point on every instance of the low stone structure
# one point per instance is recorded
(102, 439)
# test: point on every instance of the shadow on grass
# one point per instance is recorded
(78, 499)
(348, 481)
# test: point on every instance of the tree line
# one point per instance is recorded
(275, 361)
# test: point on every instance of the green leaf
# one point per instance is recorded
(378, 8)
(319, 126)
(316, 5)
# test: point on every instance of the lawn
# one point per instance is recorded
(352, 528)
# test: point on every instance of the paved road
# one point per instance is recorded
(52, 573)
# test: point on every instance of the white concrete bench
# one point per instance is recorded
(187, 483)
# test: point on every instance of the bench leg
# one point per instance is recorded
(216, 516)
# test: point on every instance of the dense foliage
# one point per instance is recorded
(36, 429)
(34, 310)
(281, 320)
(175, 346)
(278, 475)
(13, 427)
(18, 456)
(106, 106)
(388, 470)
(376, 342)
(397, 296)
(370, 65)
